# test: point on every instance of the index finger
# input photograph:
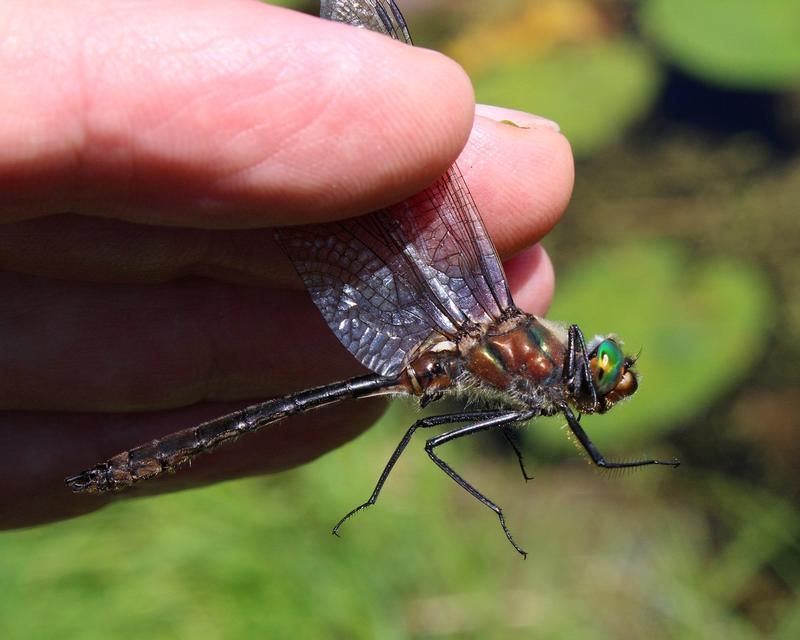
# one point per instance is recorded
(218, 114)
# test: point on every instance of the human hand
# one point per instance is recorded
(144, 158)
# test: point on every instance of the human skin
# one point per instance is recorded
(146, 151)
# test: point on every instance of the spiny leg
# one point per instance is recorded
(490, 423)
(597, 457)
(577, 372)
(423, 423)
(507, 433)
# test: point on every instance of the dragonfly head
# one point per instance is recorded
(612, 372)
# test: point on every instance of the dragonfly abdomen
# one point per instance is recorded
(176, 450)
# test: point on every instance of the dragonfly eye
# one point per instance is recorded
(606, 362)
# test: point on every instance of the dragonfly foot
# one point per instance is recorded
(350, 514)
(519, 549)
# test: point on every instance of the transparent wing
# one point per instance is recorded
(382, 16)
(386, 281)
(398, 278)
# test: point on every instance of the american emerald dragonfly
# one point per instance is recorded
(417, 293)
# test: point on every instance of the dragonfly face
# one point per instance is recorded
(417, 294)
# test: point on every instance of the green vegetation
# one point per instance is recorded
(597, 90)
(559, 59)
(625, 557)
(738, 43)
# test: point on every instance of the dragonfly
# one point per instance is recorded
(417, 294)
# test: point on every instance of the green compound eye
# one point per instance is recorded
(606, 363)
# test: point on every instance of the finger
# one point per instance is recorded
(515, 117)
(521, 180)
(88, 347)
(526, 174)
(532, 280)
(96, 347)
(217, 113)
(41, 449)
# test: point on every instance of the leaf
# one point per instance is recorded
(594, 91)
(752, 44)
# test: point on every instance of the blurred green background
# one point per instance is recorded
(683, 237)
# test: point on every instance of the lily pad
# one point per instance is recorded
(751, 44)
(700, 327)
(594, 91)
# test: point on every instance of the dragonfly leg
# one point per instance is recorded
(423, 423)
(507, 433)
(577, 372)
(597, 457)
(501, 421)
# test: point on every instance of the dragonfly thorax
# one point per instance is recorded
(527, 350)
(431, 374)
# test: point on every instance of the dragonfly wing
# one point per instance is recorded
(444, 249)
(390, 280)
(382, 16)
(348, 268)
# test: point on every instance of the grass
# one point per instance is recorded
(617, 558)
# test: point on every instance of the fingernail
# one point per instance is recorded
(515, 118)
